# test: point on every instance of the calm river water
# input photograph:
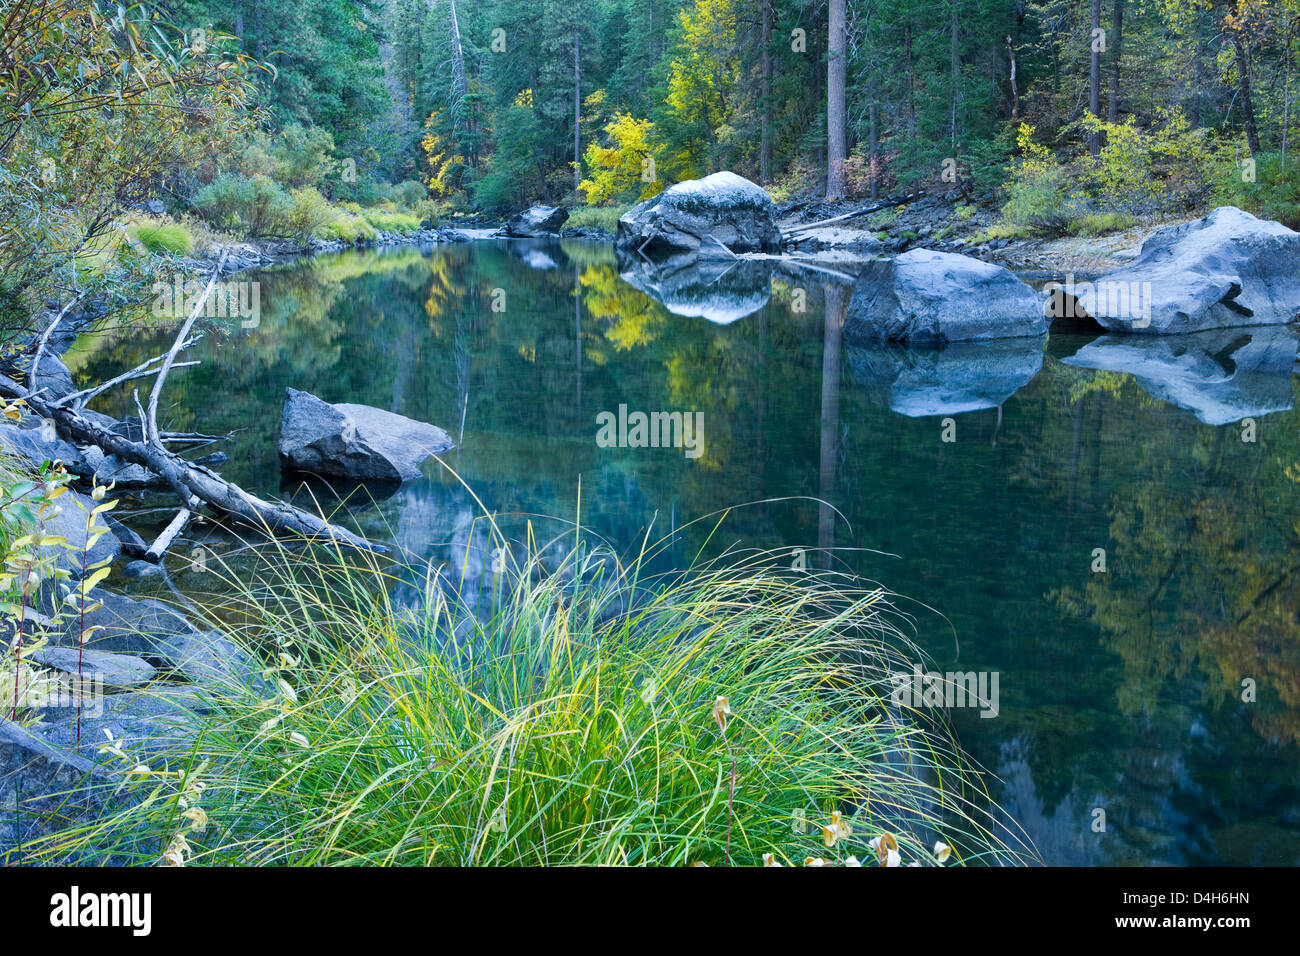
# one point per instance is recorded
(1120, 691)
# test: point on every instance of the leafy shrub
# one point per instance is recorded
(1165, 168)
(366, 192)
(1274, 193)
(431, 209)
(1038, 191)
(410, 193)
(253, 206)
(305, 155)
(308, 211)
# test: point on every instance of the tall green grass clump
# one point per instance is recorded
(161, 236)
(388, 220)
(596, 217)
(583, 712)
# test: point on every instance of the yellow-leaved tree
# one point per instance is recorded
(626, 168)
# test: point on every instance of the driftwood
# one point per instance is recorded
(150, 424)
(44, 340)
(164, 540)
(80, 399)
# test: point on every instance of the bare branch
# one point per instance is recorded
(151, 423)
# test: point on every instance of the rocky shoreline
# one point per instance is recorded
(246, 254)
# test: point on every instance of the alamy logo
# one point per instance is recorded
(953, 689)
(76, 909)
(1090, 300)
(683, 430)
(85, 691)
(235, 299)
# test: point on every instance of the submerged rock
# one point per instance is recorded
(536, 222)
(932, 298)
(151, 630)
(354, 441)
(718, 290)
(1221, 376)
(724, 208)
(1225, 270)
(949, 380)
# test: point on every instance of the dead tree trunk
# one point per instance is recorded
(187, 479)
(765, 93)
(1094, 79)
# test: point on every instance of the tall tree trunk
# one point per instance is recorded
(577, 111)
(1244, 92)
(911, 92)
(954, 64)
(1286, 104)
(873, 136)
(459, 76)
(765, 92)
(836, 112)
(1094, 79)
(1117, 44)
(1015, 90)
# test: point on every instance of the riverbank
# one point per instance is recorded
(944, 223)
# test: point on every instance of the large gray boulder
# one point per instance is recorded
(53, 377)
(115, 671)
(536, 222)
(43, 787)
(1225, 270)
(722, 207)
(151, 630)
(53, 775)
(354, 441)
(35, 443)
(70, 519)
(932, 298)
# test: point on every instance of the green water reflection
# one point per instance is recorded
(1119, 690)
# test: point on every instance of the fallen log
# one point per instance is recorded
(795, 234)
(164, 540)
(188, 479)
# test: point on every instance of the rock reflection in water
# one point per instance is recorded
(961, 377)
(719, 290)
(1221, 376)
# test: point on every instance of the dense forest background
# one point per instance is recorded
(490, 99)
(343, 119)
